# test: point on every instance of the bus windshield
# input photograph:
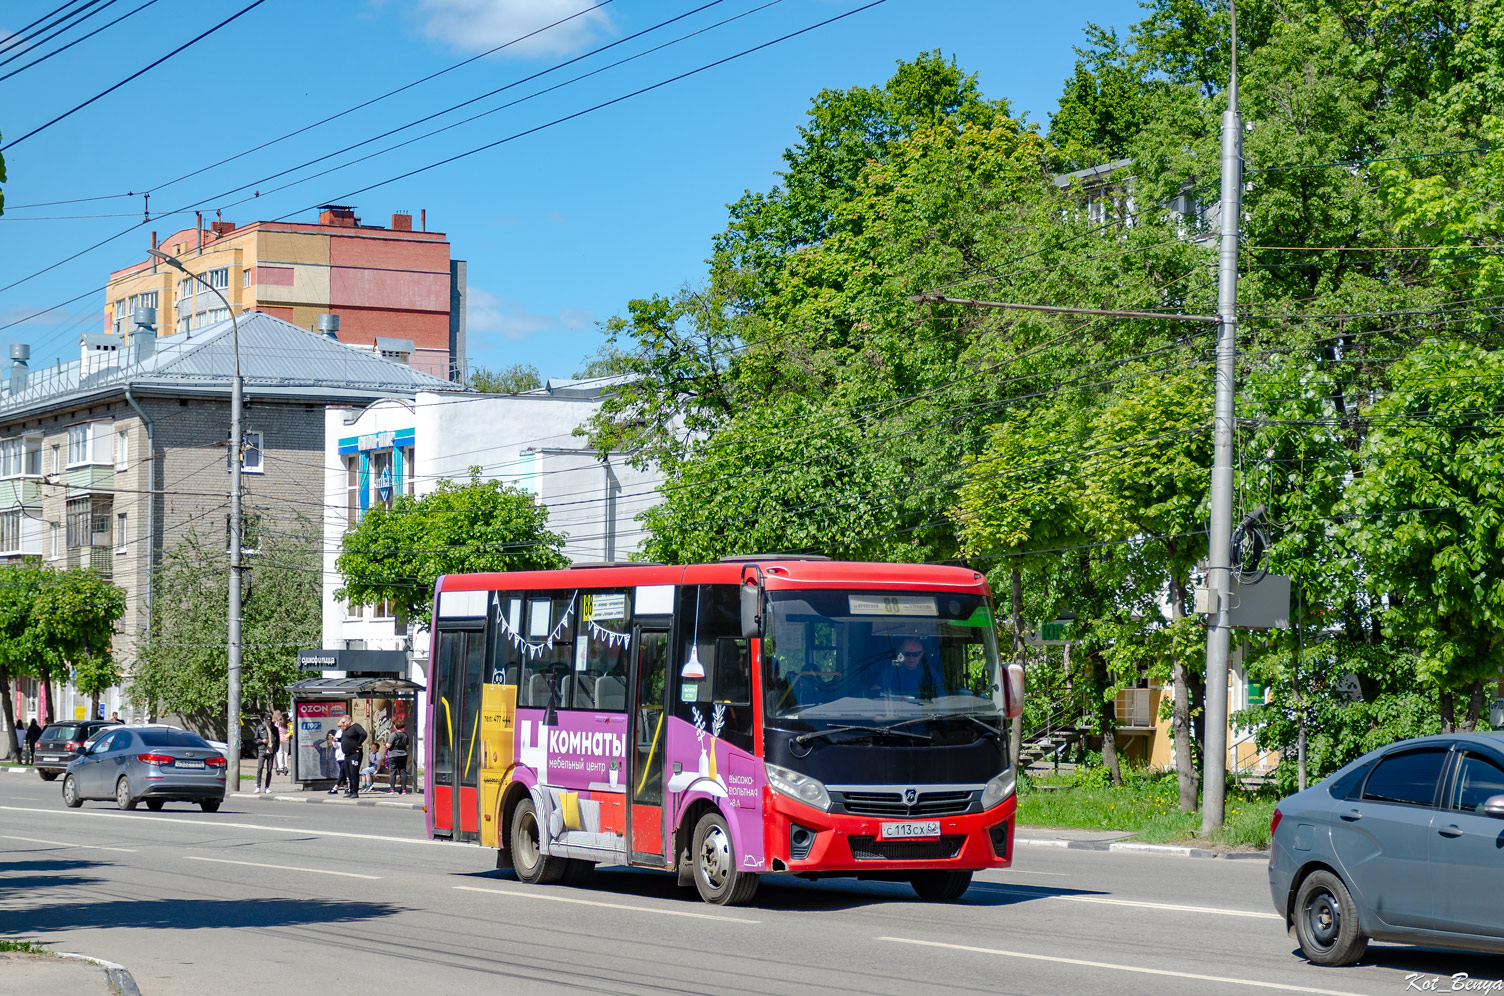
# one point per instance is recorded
(881, 656)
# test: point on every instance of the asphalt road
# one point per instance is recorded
(321, 898)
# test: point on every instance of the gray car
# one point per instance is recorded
(1404, 844)
(151, 764)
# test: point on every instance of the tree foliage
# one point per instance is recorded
(515, 379)
(183, 659)
(395, 555)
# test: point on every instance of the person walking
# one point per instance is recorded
(396, 762)
(351, 740)
(267, 742)
(33, 734)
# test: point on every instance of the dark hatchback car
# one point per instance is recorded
(1404, 844)
(62, 742)
(151, 764)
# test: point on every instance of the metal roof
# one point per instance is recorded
(276, 358)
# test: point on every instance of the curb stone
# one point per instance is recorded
(120, 978)
(1166, 849)
(322, 798)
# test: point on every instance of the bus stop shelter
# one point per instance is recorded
(380, 703)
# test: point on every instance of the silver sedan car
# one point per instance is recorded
(1404, 844)
(151, 764)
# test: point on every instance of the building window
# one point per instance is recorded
(218, 279)
(408, 477)
(352, 491)
(78, 445)
(56, 536)
(57, 458)
(122, 448)
(382, 480)
(251, 461)
(33, 457)
(78, 522)
(122, 532)
(245, 276)
(148, 300)
(10, 531)
(185, 289)
(11, 451)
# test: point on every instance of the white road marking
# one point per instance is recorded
(291, 868)
(61, 843)
(211, 822)
(518, 893)
(1136, 903)
(1137, 969)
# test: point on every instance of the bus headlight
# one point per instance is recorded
(999, 788)
(810, 791)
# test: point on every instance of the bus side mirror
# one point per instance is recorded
(1014, 691)
(751, 611)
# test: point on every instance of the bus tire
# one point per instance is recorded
(532, 865)
(940, 886)
(716, 876)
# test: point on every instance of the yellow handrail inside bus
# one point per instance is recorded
(647, 769)
(470, 755)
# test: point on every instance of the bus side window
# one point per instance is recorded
(505, 659)
(724, 695)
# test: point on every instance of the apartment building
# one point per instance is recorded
(108, 461)
(394, 290)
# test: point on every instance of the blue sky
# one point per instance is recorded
(560, 227)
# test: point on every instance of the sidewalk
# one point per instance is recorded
(58, 972)
(1113, 840)
(284, 789)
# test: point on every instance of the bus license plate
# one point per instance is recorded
(183, 763)
(911, 828)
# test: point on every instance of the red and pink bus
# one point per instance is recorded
(760, 716)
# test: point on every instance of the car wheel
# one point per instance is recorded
(527, 849)
(71, 798)
(123, 797)
(940, 886)
(154, 804)
(47, 776)
(716, 876)
(210, 805)
(1326, 921)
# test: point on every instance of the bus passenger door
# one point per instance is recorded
(456, 694)
(645, 756)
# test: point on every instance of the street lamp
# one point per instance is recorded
(236, 391)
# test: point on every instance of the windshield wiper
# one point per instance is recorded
(886, 731)
(988, 728)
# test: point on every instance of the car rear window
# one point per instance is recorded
(68, 732)
(173, 738)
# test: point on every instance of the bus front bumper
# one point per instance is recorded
(803, 840)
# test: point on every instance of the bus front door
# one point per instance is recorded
(645, 813)
(456, 694)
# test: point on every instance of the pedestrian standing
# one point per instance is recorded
(396, 762)
(33, 734)
(338, 754)
(267, 743)
(351, 741)
(284, 745)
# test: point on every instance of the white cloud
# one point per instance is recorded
(478, 25)
(491, 314)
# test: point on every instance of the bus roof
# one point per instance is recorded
(777, 573)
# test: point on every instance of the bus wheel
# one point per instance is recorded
(527, 851)
(940, 886)
(715, 866)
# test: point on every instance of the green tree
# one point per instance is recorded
(183, 660)
(18, 593)
(398, 554)
(515, 379)
(73, 626)
(1427, 521)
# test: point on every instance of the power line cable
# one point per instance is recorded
(25, 34)
(103, 93)
(59, 51)
(37, 43)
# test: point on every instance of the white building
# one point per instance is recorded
(395, 447)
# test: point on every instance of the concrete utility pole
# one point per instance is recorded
(1219, 560)
(236, 447)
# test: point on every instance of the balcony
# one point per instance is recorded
(100, 558)
(1134, 708)
(25, 491)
